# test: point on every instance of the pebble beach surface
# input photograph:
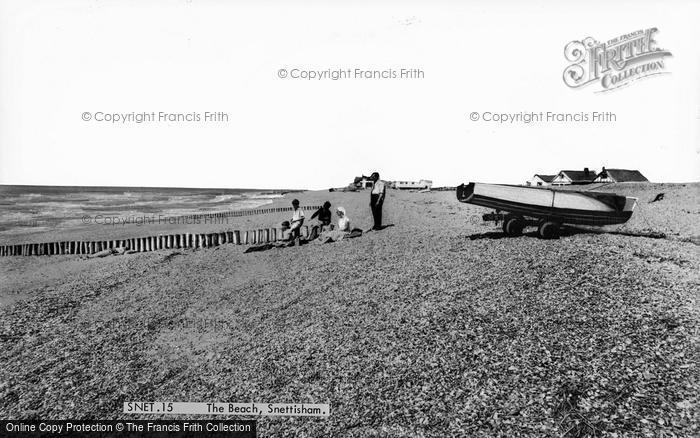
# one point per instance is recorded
(436, 326)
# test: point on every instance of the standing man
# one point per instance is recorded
(376, 200)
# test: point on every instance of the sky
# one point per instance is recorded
(67, 65)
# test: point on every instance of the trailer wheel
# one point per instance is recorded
(548, 230)
(513, 225)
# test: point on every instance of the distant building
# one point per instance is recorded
(541, 180)
(415, 185)
(362, 182)
(573, 177)
(619, 175)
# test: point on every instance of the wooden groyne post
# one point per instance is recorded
(154, 243)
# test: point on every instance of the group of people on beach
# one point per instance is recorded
(324, 231)
(324, 215)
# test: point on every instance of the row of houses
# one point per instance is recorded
(586, 176)
(563, 178)
(364, 182)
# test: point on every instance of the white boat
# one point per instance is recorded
(550, 207)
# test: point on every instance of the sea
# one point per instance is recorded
(42, 208)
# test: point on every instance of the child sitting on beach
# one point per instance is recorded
(297, 220)
(284, 240)
(284, 231)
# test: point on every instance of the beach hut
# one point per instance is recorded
(412, 185)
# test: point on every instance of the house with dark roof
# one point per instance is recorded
(540, 180)
(362, 182)
(620, 175)
(572, 177)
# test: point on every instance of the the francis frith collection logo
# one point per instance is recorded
(616, 62)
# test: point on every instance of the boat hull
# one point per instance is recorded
(566, 207)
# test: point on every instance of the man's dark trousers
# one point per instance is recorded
(376, 207)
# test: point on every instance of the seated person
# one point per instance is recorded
(323, 214)
(297, 220)
(284, 231)
(343, 219)
(284, 239)
(343, 230)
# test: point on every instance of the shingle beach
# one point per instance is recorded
(436, 326)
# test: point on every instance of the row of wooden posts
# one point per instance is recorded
(151, 243)
(239, 213)
(154, 243)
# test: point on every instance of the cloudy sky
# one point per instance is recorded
(62, 62)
